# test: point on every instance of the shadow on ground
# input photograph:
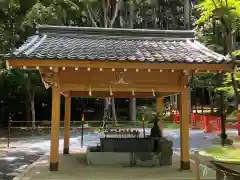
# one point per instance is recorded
(15, 161)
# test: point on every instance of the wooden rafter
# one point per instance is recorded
(32, 63)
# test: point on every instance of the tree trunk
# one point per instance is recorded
(159, 14)
(131, 14)
(154, 14)
(202, 101)
(122, 16)
(105, 12)
(108, 22)
(176, 102)
(90, 14)
(228, 47)
(115, 13)
(28, 98)
(210, 100)
(196, 108)
(114, 111)
(145, 20)
(106, 105)
(32, 104)
(112, 20)
(172, 102)
(132, 102)
(28, 110)
(105, 114)
(132, 111)
(234, 82)
(187, 14)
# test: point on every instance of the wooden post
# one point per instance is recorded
(160, 109)
(67, 119)
(184, 126)
(55, 127)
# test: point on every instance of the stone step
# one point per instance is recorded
(144, 159)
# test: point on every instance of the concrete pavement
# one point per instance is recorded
(40, 145)
(72, 168)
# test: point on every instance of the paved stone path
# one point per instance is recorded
(198, 140)
(15, 161)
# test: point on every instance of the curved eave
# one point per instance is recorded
(46, 58)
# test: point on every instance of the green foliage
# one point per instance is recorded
(236, 53)
(55, 12)
(227, 84)
(205, 80)
(18, 19)
(222, 10)
(217, 17)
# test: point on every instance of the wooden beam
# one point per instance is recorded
(33, 63)
(108, 78)
(165, 89)
(101, 94)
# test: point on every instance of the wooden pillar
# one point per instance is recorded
(55, 128)
(190, 102)
(67, 119)
(184, 126)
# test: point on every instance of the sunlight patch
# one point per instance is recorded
(12, 174)
(9, 158)
(21, 168)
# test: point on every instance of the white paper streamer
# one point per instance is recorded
(225, 177)
(133, 92)
(153, 92)
(111, 93)
(90, 91)
(205, 171)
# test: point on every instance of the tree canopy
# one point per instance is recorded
(214, 20)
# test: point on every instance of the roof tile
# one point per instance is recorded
(52, 42)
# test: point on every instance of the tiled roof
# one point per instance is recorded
(84, 43)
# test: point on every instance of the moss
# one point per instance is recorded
(229, 154)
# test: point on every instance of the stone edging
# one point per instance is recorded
(28, 168)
